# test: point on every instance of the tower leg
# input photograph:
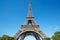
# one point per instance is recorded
(22, 37)
(37, 37)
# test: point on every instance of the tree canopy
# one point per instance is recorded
(47, 38)
(6, 37)
(56, 36)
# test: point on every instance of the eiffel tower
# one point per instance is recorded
(30, 27)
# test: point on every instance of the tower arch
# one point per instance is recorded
(27, 33)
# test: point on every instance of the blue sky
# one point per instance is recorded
(13, 14)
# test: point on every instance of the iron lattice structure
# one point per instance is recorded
(30, 27)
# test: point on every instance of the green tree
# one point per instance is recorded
(0, 38)
(6, 37)
(56, 36)
(47, 38)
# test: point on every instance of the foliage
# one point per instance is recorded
(46, 38)
(56, 36)
(6, 37)
(0, 38)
